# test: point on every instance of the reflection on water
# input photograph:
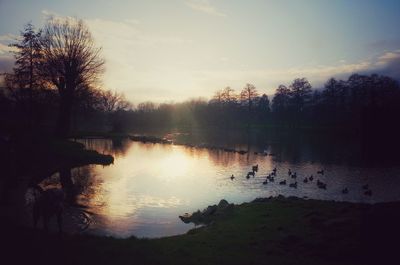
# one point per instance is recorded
(150, 185)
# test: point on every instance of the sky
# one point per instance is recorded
(173, 50)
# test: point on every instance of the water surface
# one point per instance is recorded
(150, 185)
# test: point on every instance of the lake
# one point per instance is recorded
(150, 185)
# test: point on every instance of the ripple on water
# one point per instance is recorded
(150, 185)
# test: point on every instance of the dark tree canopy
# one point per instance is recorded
(300, 91)
(28, 57)
(263, 104)
(281, 100)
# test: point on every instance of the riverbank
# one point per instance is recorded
(169, 139)
(40, 156)
(266, 231)
(30, 159)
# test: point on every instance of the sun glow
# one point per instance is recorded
(177, 163)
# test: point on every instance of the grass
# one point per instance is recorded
(267, 231)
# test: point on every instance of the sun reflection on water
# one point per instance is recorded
(150, 185)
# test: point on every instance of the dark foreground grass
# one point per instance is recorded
(268, 231)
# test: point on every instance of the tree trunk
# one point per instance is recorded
(64, 116)
(67, 184)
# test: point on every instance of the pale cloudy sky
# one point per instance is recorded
(172, 50)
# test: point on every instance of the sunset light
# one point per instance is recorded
(220, 132)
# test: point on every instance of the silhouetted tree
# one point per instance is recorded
(70, 62)
(25, 78)
(248, 94)
(228, 96)
(146, 107)
(109, 101)
(218, 97)
(300, 91)
(263, 104)
(281, 100)
(27, 59)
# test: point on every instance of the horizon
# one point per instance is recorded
(176, 51)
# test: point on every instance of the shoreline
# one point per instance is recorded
(274, 230)
(265, 231)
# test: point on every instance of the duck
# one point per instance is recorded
(294, 175)
(283, 182)
(289, 172)
(265, 182)
(232, 177)
(251, 173)
(255, 168)
(321, 185)
(271, 179)
(320, 172)
(345, 191)
(311, 178)
(293, 185)
(305, 180)
(274, 170)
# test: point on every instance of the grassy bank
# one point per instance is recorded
(268, 231)
(39, 157)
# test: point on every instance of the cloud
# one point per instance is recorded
(9, 38)
(132, 21)
(6, 57)
(139, 62)
(48, 14)
(267, 80)
(5, 49)
(204, 6)
(389, 64)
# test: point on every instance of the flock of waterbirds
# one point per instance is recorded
(293, 175)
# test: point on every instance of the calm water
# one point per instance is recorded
(150, 185)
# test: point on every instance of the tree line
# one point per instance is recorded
(359, 103)
(55, 86)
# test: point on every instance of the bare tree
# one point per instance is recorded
(228, 95)
(248, 94)
(218, 96)
(300, 91)
(112, 101)
(71, 61)
(146, 107)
